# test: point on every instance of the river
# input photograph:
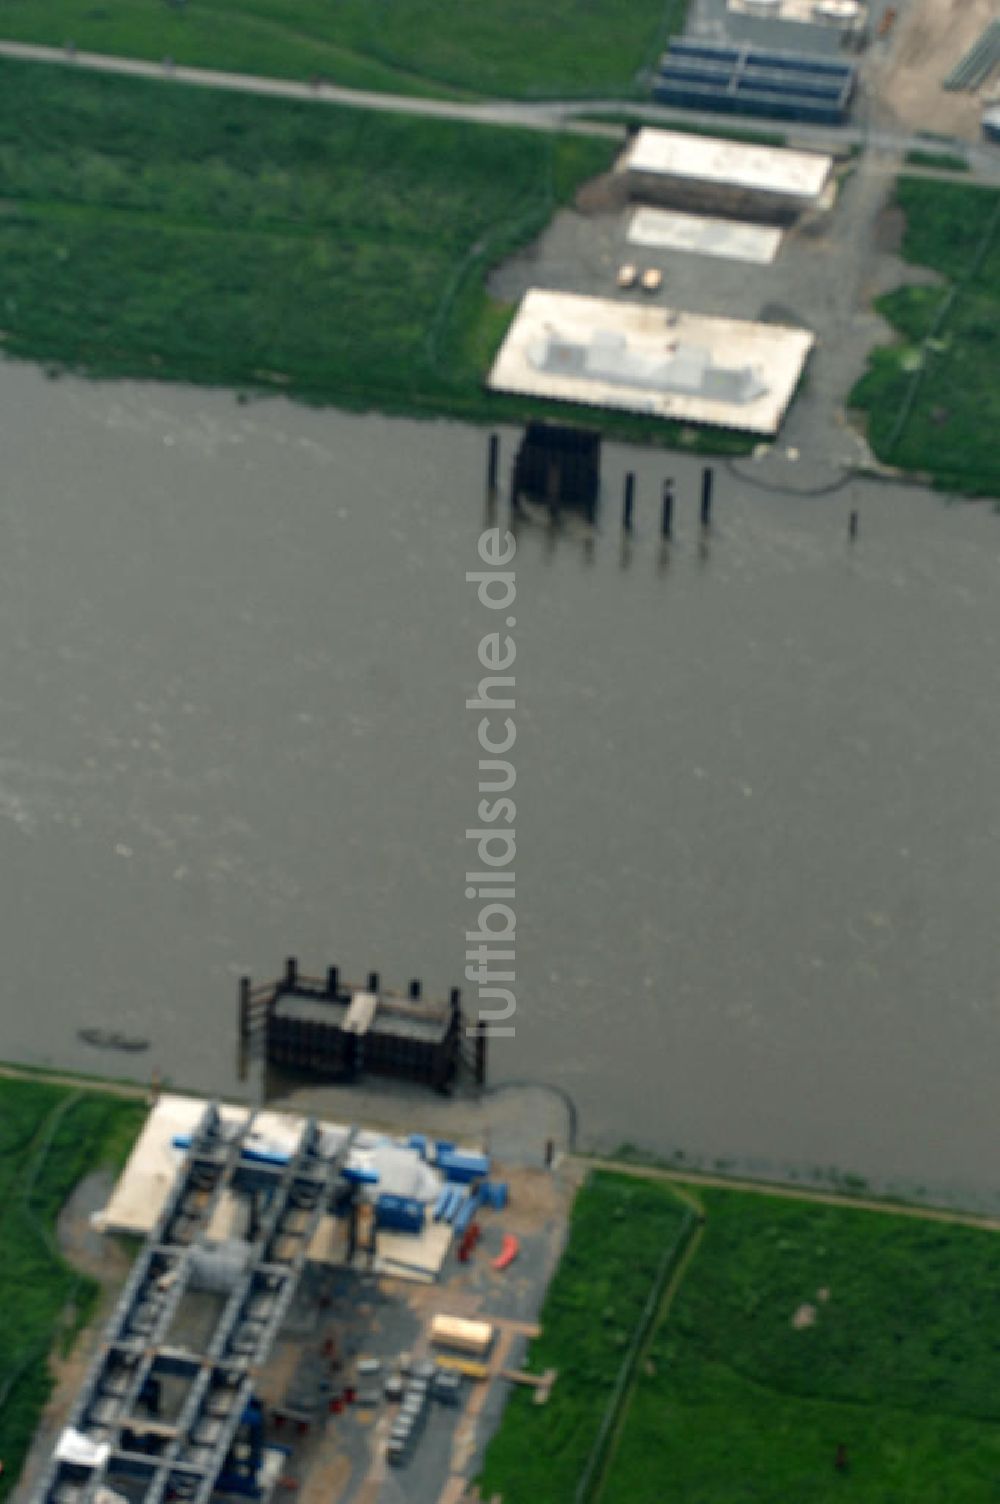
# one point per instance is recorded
(757, 781)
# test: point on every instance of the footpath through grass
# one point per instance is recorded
(331, 254)
(933, 398)
(50, 1136)
(516, 48)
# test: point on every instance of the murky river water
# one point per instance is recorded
(757, 791)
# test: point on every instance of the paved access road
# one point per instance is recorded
(546, 115)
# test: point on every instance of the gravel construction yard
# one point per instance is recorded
(931, 37)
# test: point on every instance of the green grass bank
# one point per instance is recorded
(802, 1327)
(943, 161)
(792, 1328)
(514, 48)
(50, 1137)
(329, 254)
(932, 398)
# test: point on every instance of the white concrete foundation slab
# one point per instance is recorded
(648, 359)
(731, 239)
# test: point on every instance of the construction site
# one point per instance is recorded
(730, 282)
(315, 1309)
(680, 214)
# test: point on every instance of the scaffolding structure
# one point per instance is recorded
(116, 1446)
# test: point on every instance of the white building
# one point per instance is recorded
(710, 175)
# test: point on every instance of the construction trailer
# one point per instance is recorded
(738, 79)
(472, 1338)
(334, 1029)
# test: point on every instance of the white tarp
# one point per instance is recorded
(73, 1446)
(401, 1171)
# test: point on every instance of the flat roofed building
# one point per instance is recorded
(704, 172)
(821, 26)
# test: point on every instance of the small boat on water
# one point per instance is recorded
(109, 1039)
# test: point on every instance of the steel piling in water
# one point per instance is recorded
(667, 519)
(628, 503)
(492, 468)
(707, 483)
(852, 526)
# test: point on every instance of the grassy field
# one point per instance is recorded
(795, 1328)
(933, 400)
(520, 48)
(946, 161)
(901, 1364)
(50, 1136)
(330, 254)
(621, 1231)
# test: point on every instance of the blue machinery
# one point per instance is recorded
(213, 1440)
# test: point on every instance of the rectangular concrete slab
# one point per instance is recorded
(731, 239)
(644, 358)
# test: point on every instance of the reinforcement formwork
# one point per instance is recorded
(560, 467)
(304, 1023)
(138, 1456)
